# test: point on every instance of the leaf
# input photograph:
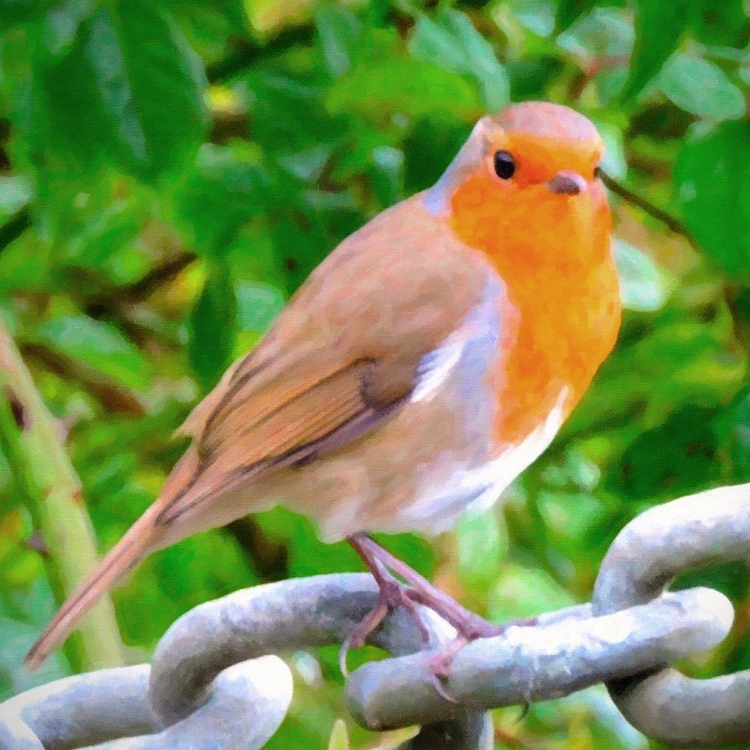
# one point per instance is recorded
(701, 88)
(603, 33)
(659, 26)
(613, 163)
(733, 430)
(413, 89)
(138, 94)
(482, 542)
(642, 286)
(99, 345)
(451, 42)
(62, 22)
(712, 176)
(569, 10)
(673, 459)
(718, 23)
(339, 29)
(309, 163)
(227, 187)
(339, 739)
(522, 591)
(257, 305)
(15, 193)
(212, 326)
(23, 612)
(536, 15)
(102, 233)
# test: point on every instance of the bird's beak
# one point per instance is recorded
(567, 183)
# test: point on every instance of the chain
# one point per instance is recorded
(215, 675)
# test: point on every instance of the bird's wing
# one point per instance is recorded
(334, 366)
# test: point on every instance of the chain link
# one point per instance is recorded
(214, 674)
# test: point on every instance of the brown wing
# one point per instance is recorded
(341, 358)
(259, 425)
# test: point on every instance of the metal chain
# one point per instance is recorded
(215, 677)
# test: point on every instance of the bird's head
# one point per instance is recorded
(531, 169)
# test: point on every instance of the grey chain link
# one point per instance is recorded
(215, 676)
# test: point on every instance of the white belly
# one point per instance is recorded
(437, 504)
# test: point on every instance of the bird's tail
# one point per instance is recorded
(122, 558)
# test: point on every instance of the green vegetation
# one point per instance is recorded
(170, 171)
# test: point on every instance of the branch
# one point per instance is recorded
(14, 228)
(246, 53)
(655, 212)
(52, 493)
(113, 397)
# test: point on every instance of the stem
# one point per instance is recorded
(14, 228)
(52, 493)
(654, 211)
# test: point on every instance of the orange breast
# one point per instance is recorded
(553, 253)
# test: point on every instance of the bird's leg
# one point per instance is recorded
(392, 594)
(469, 625)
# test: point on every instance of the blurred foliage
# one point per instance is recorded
(170, 171)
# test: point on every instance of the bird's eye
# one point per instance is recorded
(505, 165)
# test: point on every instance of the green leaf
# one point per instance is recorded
(522, 592)
(536, 15)
(613, 163)
(339, 739)
(659, 26)
(602, 37)
(451, 42)
(213, 326)
(569, 10)
(676, 458)
(603, 33)
(481, 544)
(309, 163)
(712, 176)
(137, 97)
(98, 344)
(413, 89)
(701, 88)
(15, 193)
(339, 30)
(257, 305)
(642, 286)
(718, 23)
(62, 22)
(227, 187)
(105, 232)
(733, 429)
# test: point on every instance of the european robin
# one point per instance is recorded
(420, 368)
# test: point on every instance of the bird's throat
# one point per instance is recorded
(563, 302)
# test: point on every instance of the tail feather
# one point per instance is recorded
(145, 536)
(139, 540)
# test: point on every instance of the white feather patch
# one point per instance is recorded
(435, 368)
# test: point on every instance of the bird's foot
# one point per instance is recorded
(468, 625)
(439, 664)
(392, 594)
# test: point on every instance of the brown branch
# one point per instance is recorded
(157, 276)
(115, 398)
(675, 225)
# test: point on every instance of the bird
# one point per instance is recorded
(420, 368)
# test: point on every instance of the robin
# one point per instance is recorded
(421, 367)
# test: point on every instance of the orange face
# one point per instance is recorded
(552, 250)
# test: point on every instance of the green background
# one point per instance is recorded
(170, 172)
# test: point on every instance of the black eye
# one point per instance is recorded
(505, 166)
